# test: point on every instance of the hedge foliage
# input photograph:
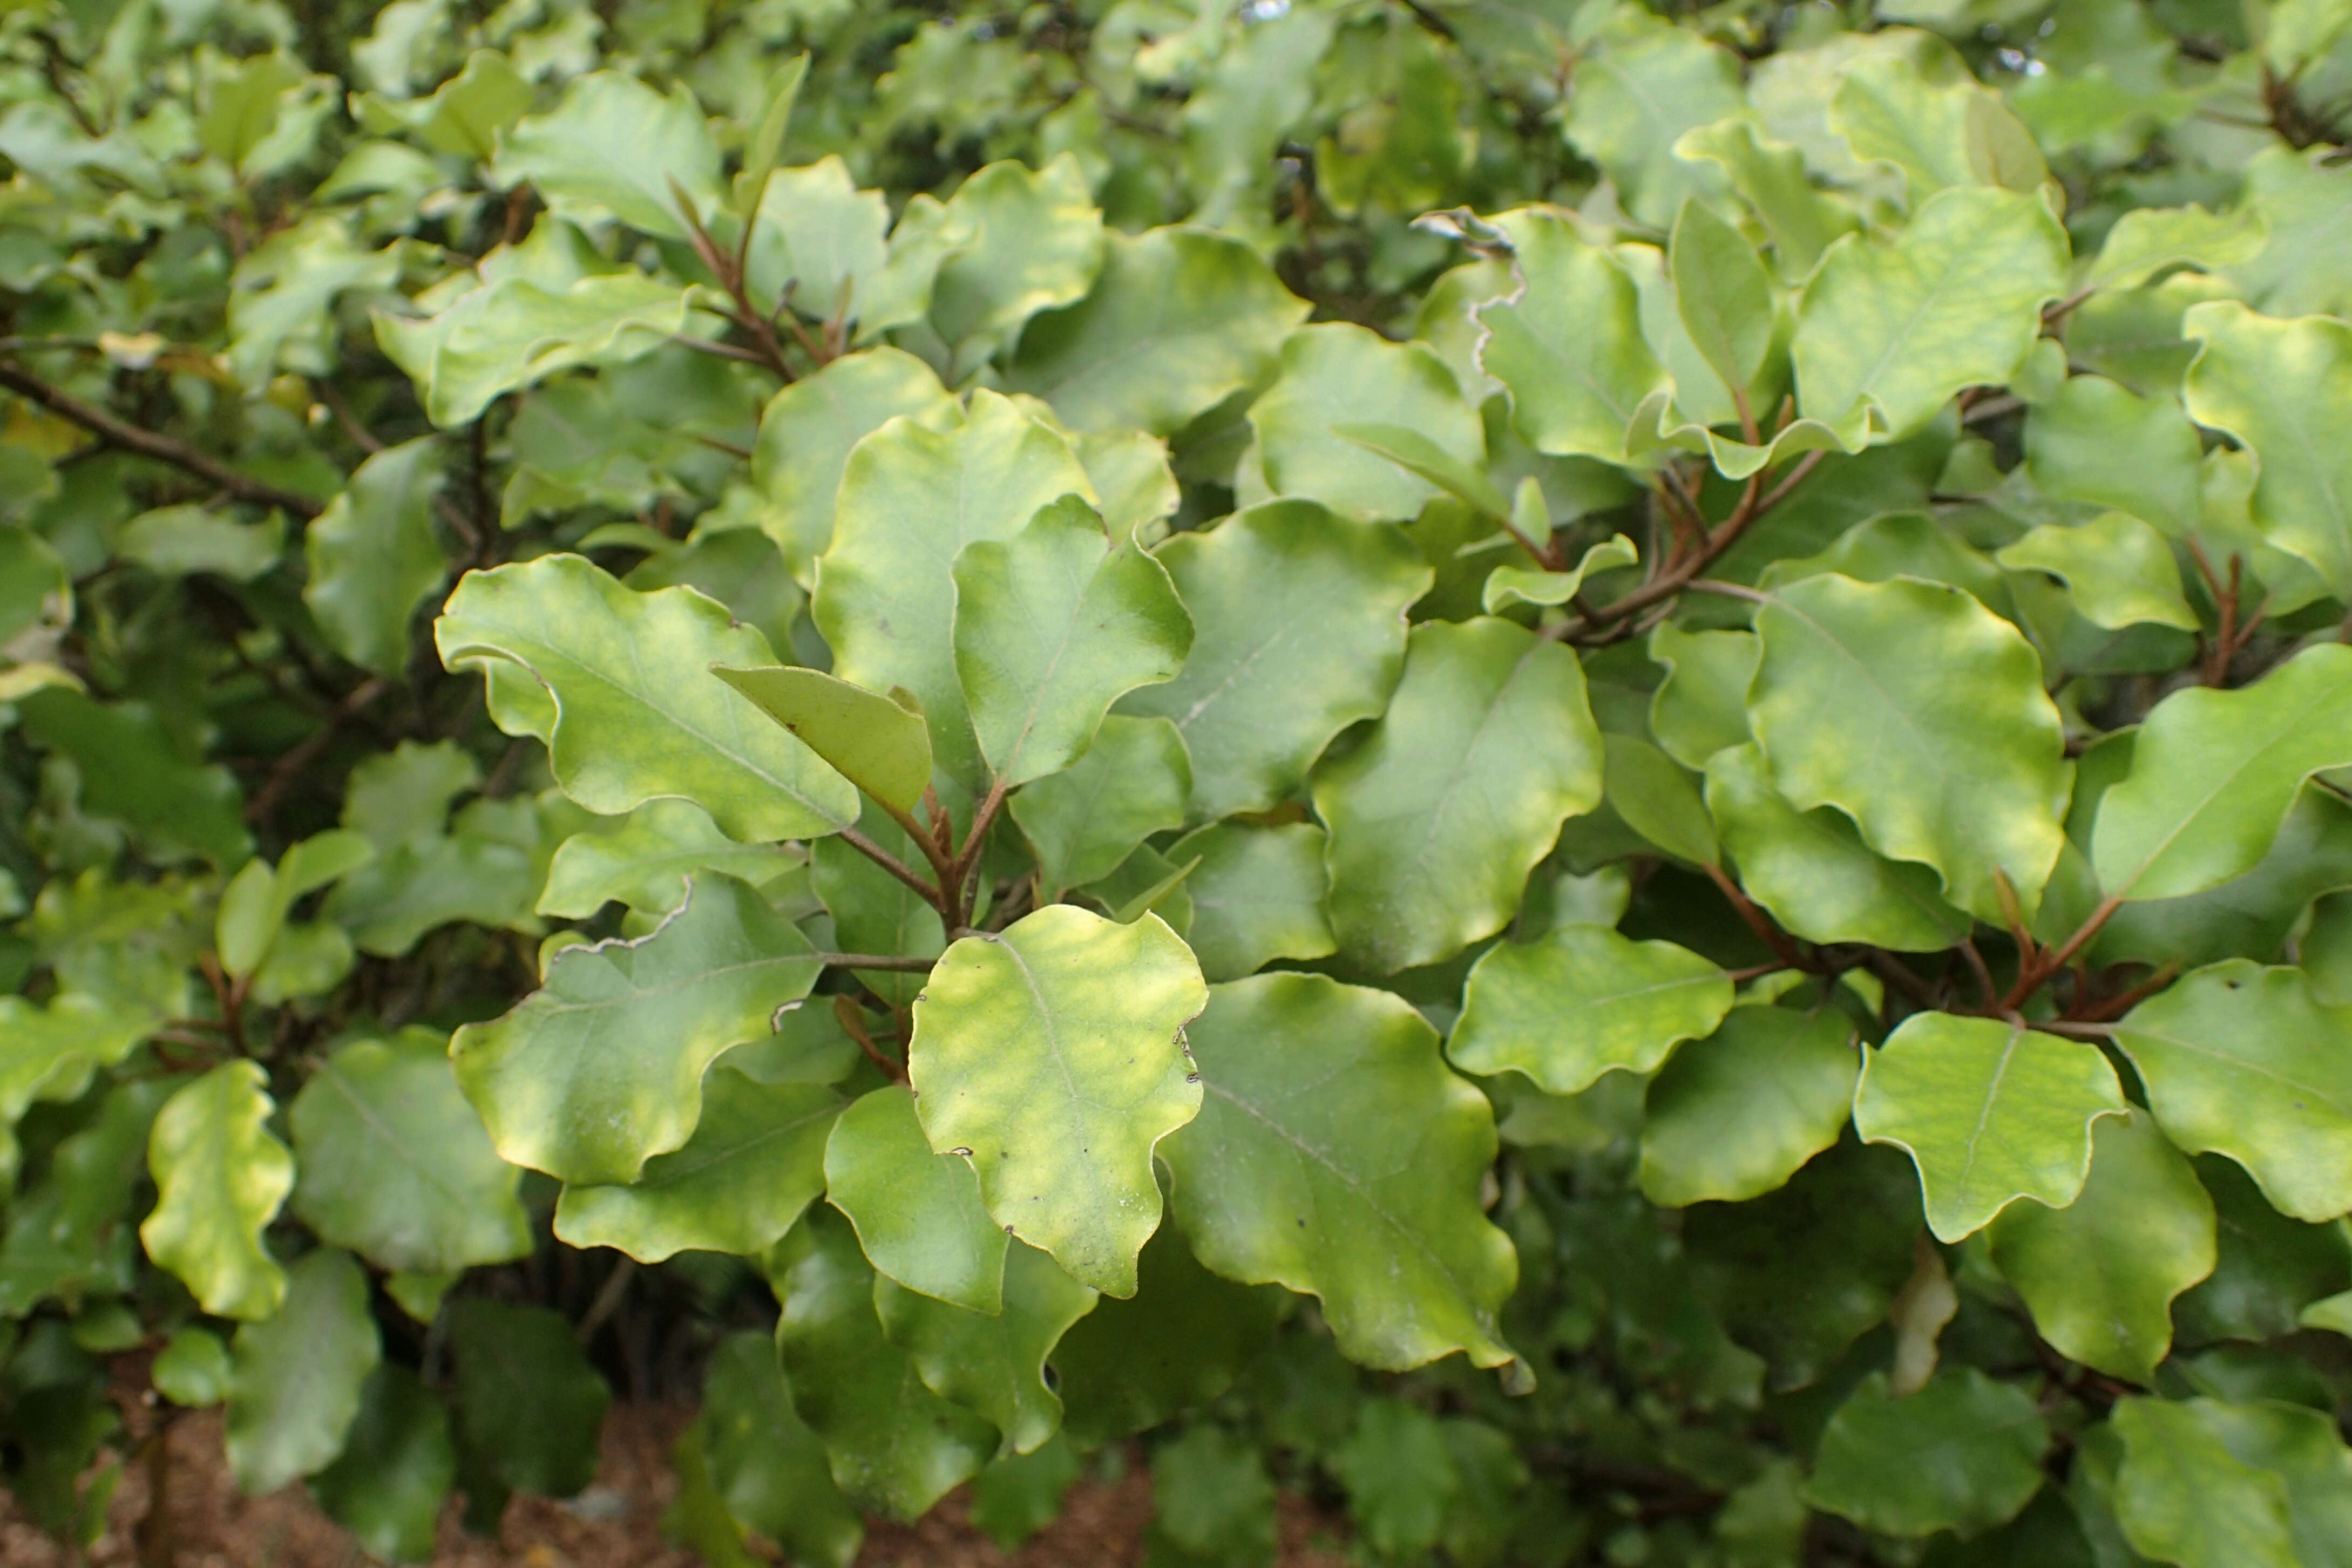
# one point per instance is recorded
(1575, 771)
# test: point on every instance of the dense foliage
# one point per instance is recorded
(1575, 772)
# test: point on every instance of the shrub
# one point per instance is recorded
(1572, 770)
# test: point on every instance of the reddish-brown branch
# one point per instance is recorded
(1772, 936)
(291, 765)
(2034, 973)
(853, 1023)
(896, 867)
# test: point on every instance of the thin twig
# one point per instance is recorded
(2032, 974)
(290, 767)
(959, 873)
(895, 866)
(899, 965)
(148, 443)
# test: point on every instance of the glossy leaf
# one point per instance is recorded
(1961, 1454)
(881, 746)
(1336, 1155)
(755, 1160)
(1298, 631)
(917, 1214)
(1052, 626)
(1583, 1002)
(767, 1465)
(637, 715)
(1339, 374)
(1568, 343)
(644, 861)
(372, 555)
(2279, 387)
(220, 1178)
(388, 1485)
(1133, 782)
(565, 1082)
(1963, 765)
(294, 1380)
(1732, 1116)
(1989, 1111)
(1257, 895)
(1053, 1058)
(1721, 293)
(2119, 570)
(2100, 1274)
(393, 1165)
(993, 1363)
(807, 432)
(2183, 1497)
(1436, 818)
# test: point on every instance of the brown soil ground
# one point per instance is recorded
(611, 1525)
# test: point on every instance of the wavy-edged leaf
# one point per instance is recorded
(2247, 1061)
(294, 1380)
(1052, 626)
(372, 555)
(1436, 818)
(1582, 1001)
(1339, 374)
(615, 148)
(1890, 329)
(1734, 1115)
(894, 1446)
(2214, 773)
(637, 714)
(911, 499)
(394, 1164)
(388, 1485)
(808, 430)
(1298, 631)
(644, 860)
(1964, 1453)
(220, 1179)
(993, 1363)
(2283, 389)
(1920, 714)
(2119, 570)
(601, 1068)
(1257, 895)
(2100, 1274)
(1336, 1155)
(1051, 1055)
(755, 1160)
(1568, 343)
(880, 745)
(918, 1214)
(2183, 1497)
(1991, 1112)
(1135, 781)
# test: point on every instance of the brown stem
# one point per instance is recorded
(153, 1539)
(853, 1023)
(960, 872)
(2031, 973)
(899, 965)
(229, 997)
(896, 867)
(129, 437)
(1986, 989)
(1759, 922)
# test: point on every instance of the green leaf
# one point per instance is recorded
(1657, 800)
(1891, 329)
(1296, 1172)
(1436, 818)
(1568, 343)
(1991, 1112)
(1212, 1498)
(1963, 1453)
(2119, 570)
(993, 1363)
(130, 770)
(1920, 714)
(2267, 1269)
(1701, 707)
(516, 330)
(395, 1471)
(1257, 895)
(911, 499)
(1414, 453)
(873, 911)
(1733, 1116)
(755, 1160)
(817, 244)
(613, 150)
(295, 1383)
(2098, 441)
(2149, 240)
(1721, 293)
(394, 1164)
(881, 746)
(2245, 1062)
(1019, 1495)
(2282, 389)
(1052, 1057)
(2100, 1274)
(601, 1069)
(220, 1179)
(1052, 626)
(763, 150)
(1133, 782)
(1770, 175)
(1509, 585)
(1298, 631)
(1582, 1001)
(1400, 1476)
(1939, 134)
(254, 904)
(70, 1237)
(2183, 1497)
(918, 1214)
(808, 429)
(644, 860)
(50, 1053)
(894, 1446)
(1036, 243)
(192, 1370)
(1637, 93)
(1178, 320)
(1339, 374)
(766, 1462)
(372, 555)
(1813, 874)
(2214, 774)
(1177, 1344)
(638, 715)
(529, 1405)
